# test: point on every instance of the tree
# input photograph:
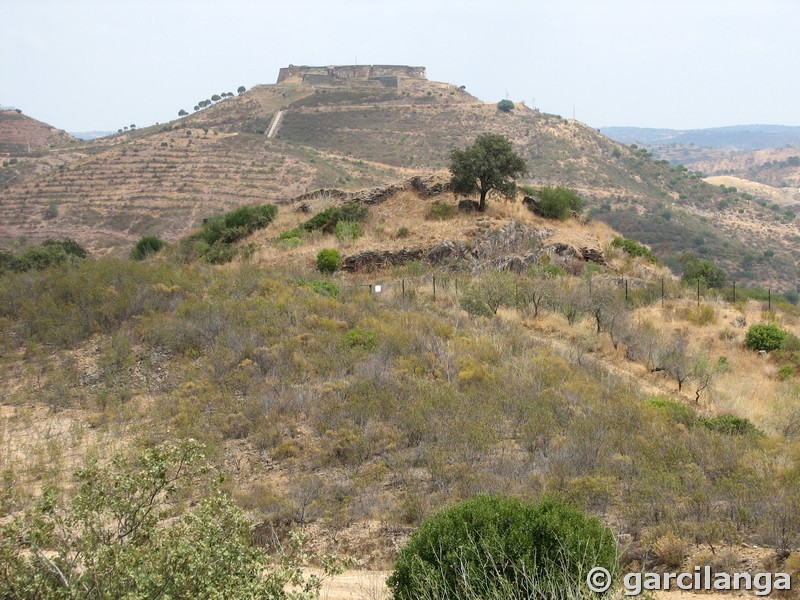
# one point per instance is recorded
(488, 164)
(216, 98)
(241, 90)
(182, 113)
(505, 106)
(695, 268)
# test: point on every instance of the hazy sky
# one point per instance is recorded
(98, 65)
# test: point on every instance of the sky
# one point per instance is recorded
(84, 65)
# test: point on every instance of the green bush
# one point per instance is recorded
(347, 231)
(695, 269)
(359, 337)
(494, 547)
(326, 221)
(676, 412)
(634, 248)
(728, 425)
(146, 246)
(119, 536)
(441, 211)
(213, 242)
(323, 287)
(328, 260)
(764, 336)
(297, 232)
(557, 202)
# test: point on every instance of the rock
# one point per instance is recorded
(429, 186)
(374, 260)
(304, 208)
(468, 206)
(561, 251)
(592, 255)
(531, 203)
(448, 252)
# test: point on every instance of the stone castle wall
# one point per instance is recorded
(385, 75)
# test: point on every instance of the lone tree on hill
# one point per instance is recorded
(488, 164)
(241, 90)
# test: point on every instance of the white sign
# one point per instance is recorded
(378, 289)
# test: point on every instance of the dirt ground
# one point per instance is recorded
(370, 585)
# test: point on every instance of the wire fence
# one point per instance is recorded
(634, 291)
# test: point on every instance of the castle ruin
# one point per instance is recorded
(391, 76)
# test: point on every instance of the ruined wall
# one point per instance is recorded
(386, 75)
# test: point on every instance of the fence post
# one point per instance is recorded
(698, 291)
(434, 288)
(662, 292)
(734, 292)
(769, 299)
(626, 290)
(404, 288)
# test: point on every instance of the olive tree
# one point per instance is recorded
(488, 164)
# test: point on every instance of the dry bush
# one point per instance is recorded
(670, 550)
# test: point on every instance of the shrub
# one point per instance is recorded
(359, 337)
(328, 260)
(120, 537)
(347, 231)
(441, 211)
(146, 246)
(785, 372)
(701, 315)
(494, 547)
(323, 287)
(728, 425)
(403, 232)
(213, 241)
(695, 269)
(326, 221)
(764, 336)
(634, 248)
(51, 212)
(556, 202)
(676, 412)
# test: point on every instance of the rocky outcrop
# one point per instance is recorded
(468, 206)
(374, 260)
(430, 186)
(592, 255)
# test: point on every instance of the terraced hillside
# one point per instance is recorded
(165, 179)
(22, 134)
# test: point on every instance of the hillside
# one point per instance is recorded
(22, 135)
(354, 413)
(165, 179)
(741, 138)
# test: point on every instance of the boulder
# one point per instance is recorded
(468, 206)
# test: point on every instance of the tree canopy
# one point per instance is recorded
(488, 164)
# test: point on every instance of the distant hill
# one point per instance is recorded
(90, 135)
(20, 134)
(735, 137)
(318, 130)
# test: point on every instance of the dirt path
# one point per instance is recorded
(370, 585)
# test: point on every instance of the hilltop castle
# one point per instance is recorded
(379, 75)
